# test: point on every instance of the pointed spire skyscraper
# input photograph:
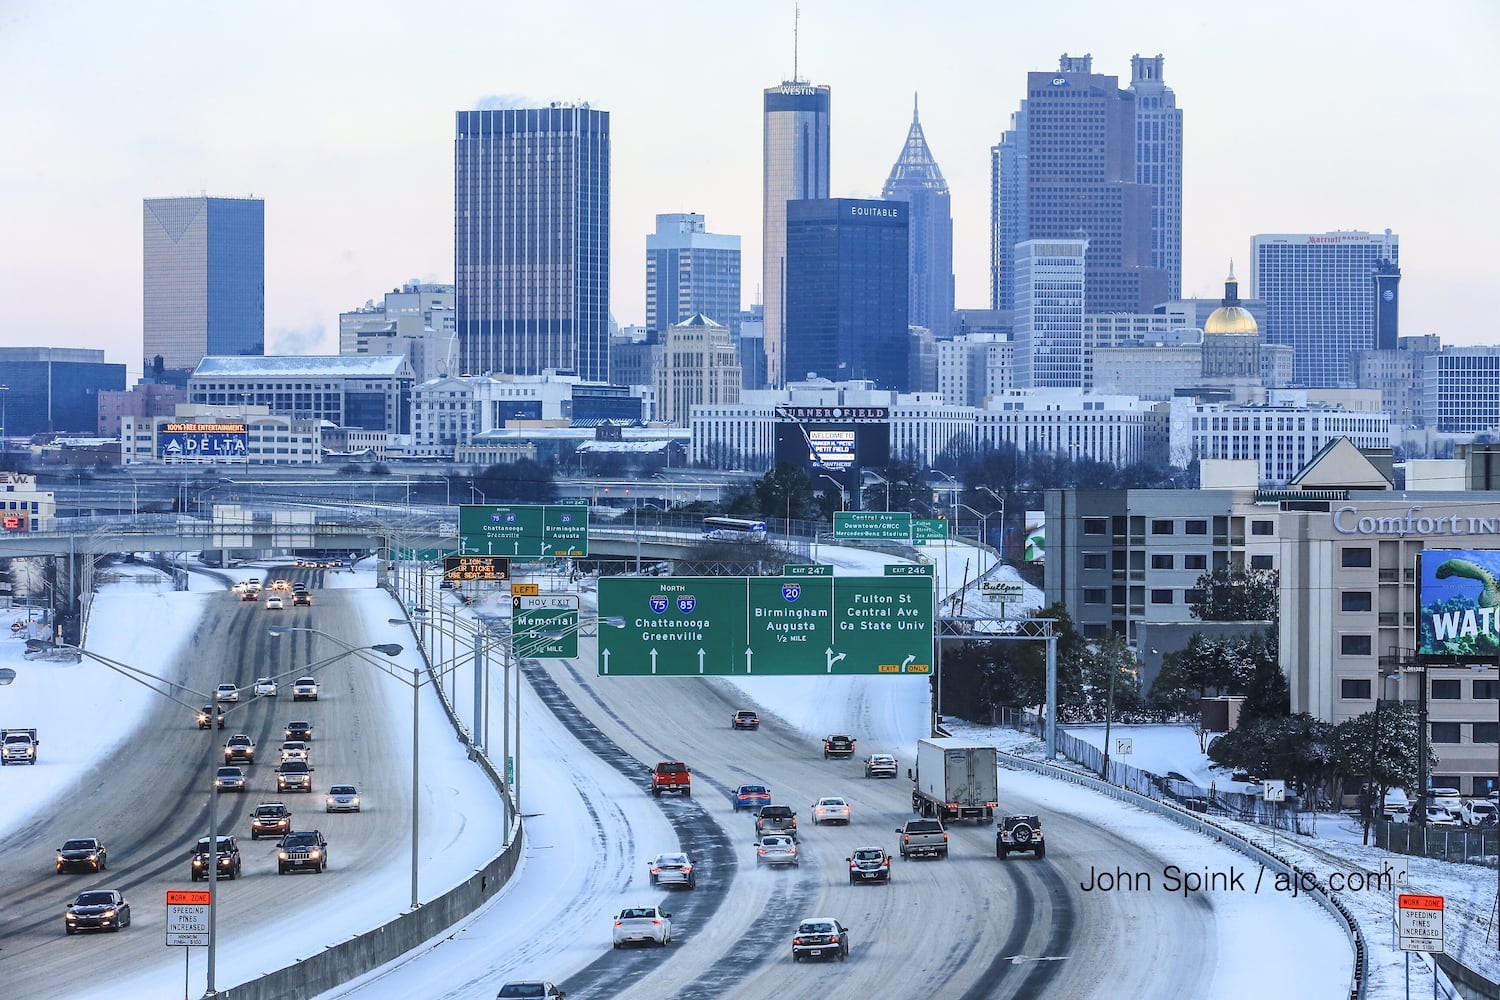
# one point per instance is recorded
(916, 179)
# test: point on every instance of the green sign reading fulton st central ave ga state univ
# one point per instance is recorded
(766, 625)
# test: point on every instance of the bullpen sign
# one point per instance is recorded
(1458, 591)
(203, 442)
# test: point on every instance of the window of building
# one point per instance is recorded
(1161, 597)
(1198, 562)
(1446, 690)
(1354, 690)
(1356, 558)
(1444, 781)
(1356, 600)
(1354, 645)
(1195, 527)
(1161, 527)
(1262, 562)
(1487, 732)
(1095, 525)
(1095, 560)
(1445, 732)
(1485, 690)
(1094, 595)
(1193, 595)
(1162, 561)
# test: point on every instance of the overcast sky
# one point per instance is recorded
(1299, 117)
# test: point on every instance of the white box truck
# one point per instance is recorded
(955, 779)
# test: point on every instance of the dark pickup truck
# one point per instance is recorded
(838, 746)
(776, 819)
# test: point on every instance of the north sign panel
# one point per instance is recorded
(766, 625)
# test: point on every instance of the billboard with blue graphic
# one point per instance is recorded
(203, 443)
(1458, 591)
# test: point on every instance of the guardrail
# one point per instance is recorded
(1197, 823)
(339, 963)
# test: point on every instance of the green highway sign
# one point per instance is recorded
(766, 626)
(928, 529)
(816, 569)
(545, 627)
(524, 532)
(910, 569)
(872, 525)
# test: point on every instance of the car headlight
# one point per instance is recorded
(316, 854)
(109, 913)
(71, 916)
(61, 859)
(282, 855)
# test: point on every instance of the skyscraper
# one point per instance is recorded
(1066, 169)
(796, 168)
(916, 179)
(846, 289)
(1050, 278)
(204, 280)
(1320, 297)
(1158, 164)
(531, 240)
(689, 272)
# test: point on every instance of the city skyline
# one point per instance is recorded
(1285, 131)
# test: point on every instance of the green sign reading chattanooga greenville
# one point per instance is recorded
(766, 625)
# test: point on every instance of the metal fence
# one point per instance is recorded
(1445, 843)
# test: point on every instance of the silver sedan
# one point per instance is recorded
(673, 869)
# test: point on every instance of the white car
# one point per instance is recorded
(1477, 812)
(265, 687)
(341, 798)
(673, 869)
(830, 810)
(227, 692)
(1441, 816)
(275, 603)
(880, 765)
(643, 925)
(305, 689)
(293, 750)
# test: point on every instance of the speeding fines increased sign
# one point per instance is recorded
(1421, 923)
(187, 918)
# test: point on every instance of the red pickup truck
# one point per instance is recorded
(671, 776)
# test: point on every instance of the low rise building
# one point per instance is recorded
(23, 507)
(373, 393)
(206, 435)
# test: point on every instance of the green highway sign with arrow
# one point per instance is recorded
(524, 532)
(872, 525)
(766, 626)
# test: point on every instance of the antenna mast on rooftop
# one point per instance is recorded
(796, 25)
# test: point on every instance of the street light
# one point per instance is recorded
(389, 649)
(887, 482)
(1001, 501)
(953, 490)
(4, 425)
(983, 518)
(843, 503)
(475, 490)
(165, 688)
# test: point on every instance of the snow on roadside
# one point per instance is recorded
(53, 696)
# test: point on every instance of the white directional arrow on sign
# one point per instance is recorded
(701, 654)
(605, 657)
(653, 659)
(832, 658)
(749, 655)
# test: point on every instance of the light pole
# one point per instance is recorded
(389, 649)
(887, 482)
(1001, 501)
(475, 490)
(4, 425)
(165, 688)
(843, 503)
(953, 490)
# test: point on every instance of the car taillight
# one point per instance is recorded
(945, 838)
(685, 868)
(797, 941)
(761, 851)
(656, 923)
(833, 939)
(617, 923)
(656, 871)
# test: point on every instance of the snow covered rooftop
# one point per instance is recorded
(310, 365)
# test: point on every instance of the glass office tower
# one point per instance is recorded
(796, 168)
(690, 272)
(531, 240)
(204, 280)
(916, 179)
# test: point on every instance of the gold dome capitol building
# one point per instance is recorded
(1231, 339)
(1231, 317)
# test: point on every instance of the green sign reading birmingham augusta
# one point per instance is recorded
(766, 626)
(524, 532)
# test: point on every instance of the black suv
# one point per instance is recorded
(838, 746)
(305, 850)
(1019, 833)
(229, 859)
(299, 731)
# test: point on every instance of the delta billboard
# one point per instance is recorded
(1458, 591)
(203, 442)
